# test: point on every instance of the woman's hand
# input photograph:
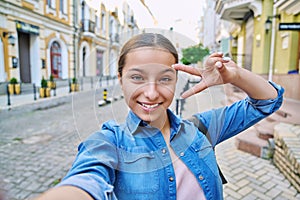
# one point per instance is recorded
(217, 71)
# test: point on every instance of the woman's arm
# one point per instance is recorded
(65, 193)
(219, 71)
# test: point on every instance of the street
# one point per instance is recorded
(38, 146)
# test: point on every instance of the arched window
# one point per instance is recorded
(55, 56)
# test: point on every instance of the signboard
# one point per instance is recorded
(27, 28)
(289, 26)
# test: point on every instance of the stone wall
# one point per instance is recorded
(287, 152)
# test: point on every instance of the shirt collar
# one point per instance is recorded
(133, 122)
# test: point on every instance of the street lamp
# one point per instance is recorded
(268, 22)
(11, 38)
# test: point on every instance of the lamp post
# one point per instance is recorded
(268, 24)
(11, 38)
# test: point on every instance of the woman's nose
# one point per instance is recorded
(151, 91)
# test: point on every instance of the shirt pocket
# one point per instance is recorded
(205, 153)
(138, 171)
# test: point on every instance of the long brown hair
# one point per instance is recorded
(145, 40)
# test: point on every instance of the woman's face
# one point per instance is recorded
(149, 83)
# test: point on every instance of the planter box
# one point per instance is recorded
(14, 88)
(51, 85)
(74, 87)
(45, 92)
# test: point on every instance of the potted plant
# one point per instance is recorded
(74, 85)
(14, 87)
(44, 90)
(51, 83)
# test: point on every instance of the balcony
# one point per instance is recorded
(236, 11)
(87, 26)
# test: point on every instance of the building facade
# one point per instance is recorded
(62, 38)
(264, 37)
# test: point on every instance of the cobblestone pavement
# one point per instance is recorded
(249, 177)
(38, 146)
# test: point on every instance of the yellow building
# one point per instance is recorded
(265, 38)
(43, 35)
(59, 38)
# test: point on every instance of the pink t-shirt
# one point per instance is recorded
(187, 186)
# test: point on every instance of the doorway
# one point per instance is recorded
(2, 64)
(24, 57)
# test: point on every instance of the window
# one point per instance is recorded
(63, 6)
(99, 63)
(103, 23)
(51, 3)
(55, 56)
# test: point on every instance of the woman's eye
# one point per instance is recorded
(165, 79)
(137, 78)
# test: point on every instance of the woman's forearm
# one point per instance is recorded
(65, 193)
(254, 85)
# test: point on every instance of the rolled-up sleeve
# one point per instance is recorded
(94, 167)
(228, 121)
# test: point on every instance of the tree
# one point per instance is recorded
(194, 54)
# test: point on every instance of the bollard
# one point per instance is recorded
(8, 96)
(92, 82)
(34, 92)
(105, 95)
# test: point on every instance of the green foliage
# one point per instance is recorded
(74, 80)
(51, 78)
(194, 54)
(185, 61)
(44, 83)
(13, 81)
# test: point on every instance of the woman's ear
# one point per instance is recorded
(120, 79)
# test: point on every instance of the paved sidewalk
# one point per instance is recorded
(249, 177)
(22, 100)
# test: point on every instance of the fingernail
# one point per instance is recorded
(218, 64)
(220, 53)
(226, 58)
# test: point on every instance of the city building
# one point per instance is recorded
(43, 34)
(264, 37)
(66, 39)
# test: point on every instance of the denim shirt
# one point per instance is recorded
(132, 161)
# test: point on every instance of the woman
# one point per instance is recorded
(155, 154)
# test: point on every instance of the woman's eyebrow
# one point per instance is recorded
(143, 71)
(169, 70)
(136, 69)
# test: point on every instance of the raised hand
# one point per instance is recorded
(217, 70)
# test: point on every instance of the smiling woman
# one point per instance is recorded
(155, 154)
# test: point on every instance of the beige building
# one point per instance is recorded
(59, 38)
(43, 36)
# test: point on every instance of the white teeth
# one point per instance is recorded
(150, 106)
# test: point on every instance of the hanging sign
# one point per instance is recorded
(27, 28)
(289, 26)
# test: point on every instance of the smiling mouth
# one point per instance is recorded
(150, 106)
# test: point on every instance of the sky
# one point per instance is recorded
(183, 16)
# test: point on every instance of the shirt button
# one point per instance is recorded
(171, 179)
(164, 151)
(201, 178)
(182, 154)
